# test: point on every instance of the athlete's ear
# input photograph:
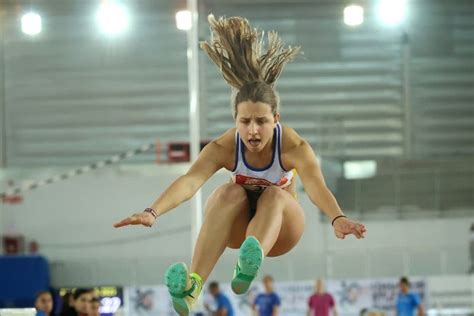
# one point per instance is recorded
(276, 117)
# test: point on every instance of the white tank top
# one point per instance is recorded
(258, 178)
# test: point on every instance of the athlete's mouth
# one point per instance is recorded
(254, 142)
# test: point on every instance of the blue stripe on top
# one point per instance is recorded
(237, 138)
(279, 147)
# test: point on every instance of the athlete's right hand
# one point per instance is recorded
(143, 218)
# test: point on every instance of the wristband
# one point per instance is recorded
(151, 211)
(332, 223)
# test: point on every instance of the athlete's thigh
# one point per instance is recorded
(223, 196)
(227, 196)
(292, 225)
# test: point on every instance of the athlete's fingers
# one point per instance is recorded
(356, 233)
(132, 220)
(361, 229)
(339, 234)
(122, 223)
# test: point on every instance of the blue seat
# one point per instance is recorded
(21, 278)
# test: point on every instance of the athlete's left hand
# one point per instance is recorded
(344, 226)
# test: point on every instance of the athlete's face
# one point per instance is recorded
(255, 123)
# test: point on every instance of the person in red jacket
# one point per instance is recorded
(321, 302)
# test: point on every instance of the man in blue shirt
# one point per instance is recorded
(223, 305)
(268, 303)
(408, 301)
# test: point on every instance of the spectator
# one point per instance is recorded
(408, 301)
(95, 306)
(223, 305)
(321, 302)
(44, 303)
(67, 301)
(81, 305)
(268, 303)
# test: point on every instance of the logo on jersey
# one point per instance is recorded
(246, 180)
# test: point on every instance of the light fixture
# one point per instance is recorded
(113, 18)
(360, 169)
(184, 20)
(353, 15)
(391, 12)
(31, 23)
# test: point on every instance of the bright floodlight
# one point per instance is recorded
(353, 15)
(183, 20)
(392, 12)
(31, 23)
(112, 18)
(360, 169)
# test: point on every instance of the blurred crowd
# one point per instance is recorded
(86, 302)
(80, 302)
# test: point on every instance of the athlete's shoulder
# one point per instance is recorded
(225, 143)
(227, 139)
(221, 149)
(290, 139)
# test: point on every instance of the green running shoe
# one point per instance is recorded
(250, 260)
(183, 296)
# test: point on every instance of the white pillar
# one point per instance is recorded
(194, 131)
(3, 134)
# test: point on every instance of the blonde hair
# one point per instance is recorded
(239, 53)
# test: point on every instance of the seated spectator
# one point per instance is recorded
(95, 306)
(81, 305)
(44, 303)
(66, 303)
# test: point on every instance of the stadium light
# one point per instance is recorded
(360, 169)
(112, 18)
(353, 15)
(391, 12)
(183, 20)
(31, 23)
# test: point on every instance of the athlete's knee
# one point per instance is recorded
(228, 193)
(272, 194)
(231, 192)
(271, 200)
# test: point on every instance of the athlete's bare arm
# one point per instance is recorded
(216, 155)
(298, 154)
